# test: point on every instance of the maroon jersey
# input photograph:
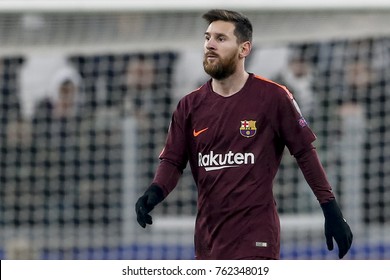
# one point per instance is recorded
(234, 146)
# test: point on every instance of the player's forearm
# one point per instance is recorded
(167, 175)
(315, 175)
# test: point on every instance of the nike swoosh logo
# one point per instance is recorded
(196, 133)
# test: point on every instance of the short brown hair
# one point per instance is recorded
(243, 27)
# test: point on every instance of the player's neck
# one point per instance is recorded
(231, 85)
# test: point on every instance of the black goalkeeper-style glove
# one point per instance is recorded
(146, 203)
(336, 227)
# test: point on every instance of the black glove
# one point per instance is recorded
(336, 227)
(152, 196)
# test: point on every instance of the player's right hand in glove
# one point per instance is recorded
(146, 203)
(336, 227)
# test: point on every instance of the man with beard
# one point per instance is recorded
(232, 131)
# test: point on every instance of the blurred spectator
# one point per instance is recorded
(297, 75)
(77, 163)
(147, 97)
(56, 147)
(354, 78)
(40, 78)
(365, 90)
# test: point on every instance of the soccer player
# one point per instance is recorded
(232, 131)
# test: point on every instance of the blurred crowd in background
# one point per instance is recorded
(61, 121)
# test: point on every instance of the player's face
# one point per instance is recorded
(221, 50)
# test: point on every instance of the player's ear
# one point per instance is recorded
(245, 49)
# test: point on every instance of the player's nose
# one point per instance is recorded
(210, 44)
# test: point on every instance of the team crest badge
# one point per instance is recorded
(248, 128)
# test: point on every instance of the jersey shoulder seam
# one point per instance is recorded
(284, 88)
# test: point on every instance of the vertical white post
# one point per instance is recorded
(129, 179)
(351, 149)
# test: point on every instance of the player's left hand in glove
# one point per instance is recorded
(146, 203)
(336, 227)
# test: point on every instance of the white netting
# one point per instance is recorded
(85, 104)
